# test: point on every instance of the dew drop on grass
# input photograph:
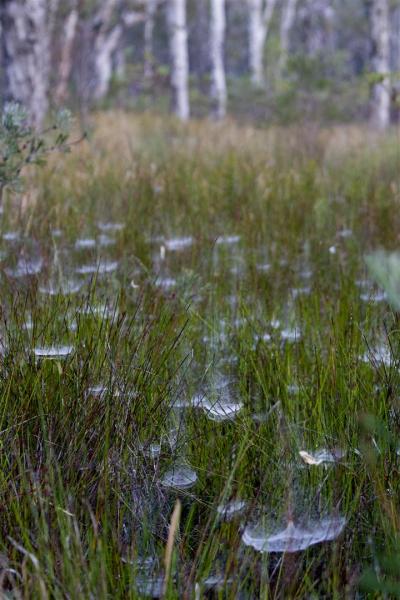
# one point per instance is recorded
(110, 227)
(85, 243)
(263, 337)
(125, 394)
(11, 236)
(345, 233)
(321, 457)
(66, 288)
(291, 335)
(101, 268)
(227, 240)
(179, 243)
(180, 477)
(25, 267)
(96, 391)
(231, 509)
(294, 538)
(53, 352)
(102, 311)
(165, 283)
(221, 411)
(373, 296)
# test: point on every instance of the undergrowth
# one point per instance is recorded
(267, 305)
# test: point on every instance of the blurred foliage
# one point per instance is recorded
(21, 146)
(385, 269)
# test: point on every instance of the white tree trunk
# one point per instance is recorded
(260, 16)
(151, 7)
(217, 41)
(105, 46)
(69, 33)
(380, 114)
(287, 20)
(26, 55)
(104, 35)
(179, 58)
(105, 43)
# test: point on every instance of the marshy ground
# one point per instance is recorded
(187, 315)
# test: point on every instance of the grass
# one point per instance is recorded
(84, 511)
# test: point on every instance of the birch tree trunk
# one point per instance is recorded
(287, 20)
(25, 50)
(100, 42)
(217, 41)
(151, 7)
(176, 15)
(380, 113)
(65, 67)
(105, 42)
(105, 46)
(260, 15)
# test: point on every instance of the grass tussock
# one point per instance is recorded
(196, 305)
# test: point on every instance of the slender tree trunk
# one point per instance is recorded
(26, 55)
(217, 40)
(104, 49)
(260, 15)
(287, 20)
(65, 67)
(105, 43)
(100, 45)
(257, 37)
(179, 58)
(380, 114)
(151, 7)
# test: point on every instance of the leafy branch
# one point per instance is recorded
(21, 145)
